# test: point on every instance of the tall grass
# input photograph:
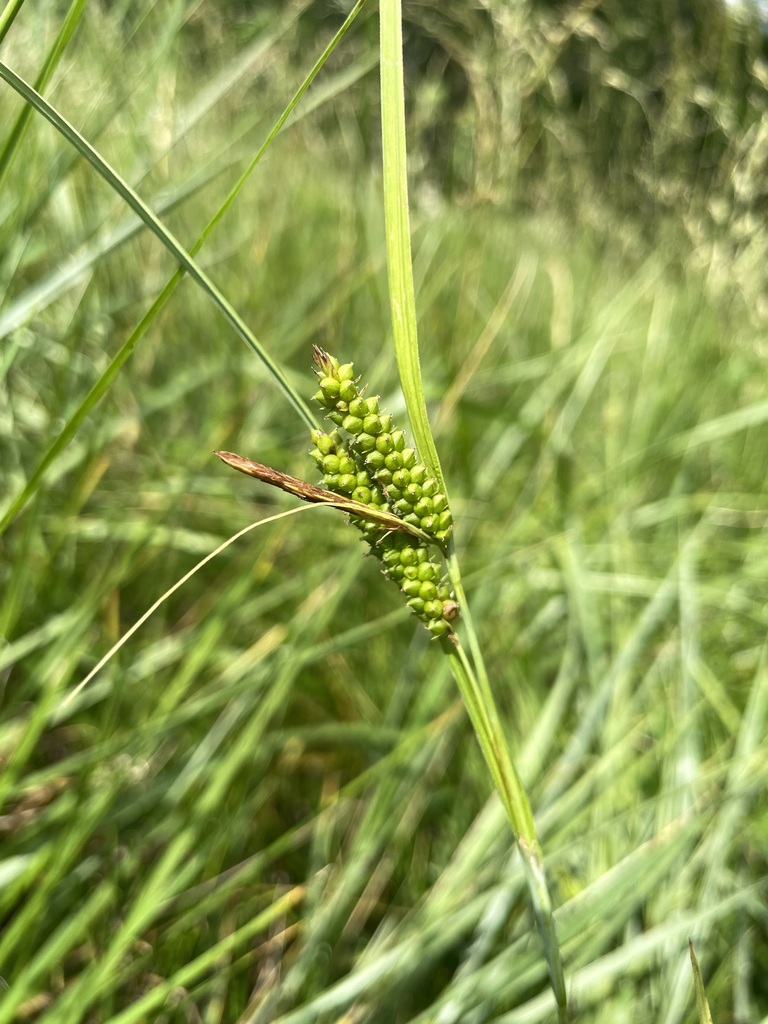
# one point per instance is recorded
(269, 805)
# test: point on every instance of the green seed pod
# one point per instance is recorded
(373, 404)
(391, 557)
(442, 536)
(428, 591)
(439, 627)
(347, 483)
(384, 444)
(362, 494)
(412, 493)
(336, 417)
(445, 520)
(394, 462)
(331, 481)
(416, 605)
(353, 424)
(375, 459)
(428, 524)
(412, 588)
(347, 391)
(430, 486)
(409, 457)
(347, 464)
(318, 456)
(331, 464)
(412, 519)
(428, 571)
(439, 503)
(443, 592)
(372, 425)
(395, 494)
(377, 496)
(321, 399)
(346, 372)
(401, 478)
(410, 572)
(384, 477)
(358, 407)
(418, 474)
(398, 440)
(403, 507)
(317, 436)
(408, 556)
(363, 479)
(365, 442)
(396, 573)
(433, 609)
(386, 420)
(330, 387)
(423, 507)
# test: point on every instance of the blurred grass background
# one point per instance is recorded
(269, 805)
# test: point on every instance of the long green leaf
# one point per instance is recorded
(472, 681)
(402, 297)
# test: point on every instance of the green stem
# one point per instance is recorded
(472, 679)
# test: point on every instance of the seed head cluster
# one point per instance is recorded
(367, 459)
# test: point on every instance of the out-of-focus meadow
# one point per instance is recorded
(268, 805)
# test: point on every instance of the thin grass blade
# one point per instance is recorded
(103, 384)
(68, 26)
(156, 226)
(6, 18)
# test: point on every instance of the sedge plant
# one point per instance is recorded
(140, 848)
(371, 473)
(398, 499)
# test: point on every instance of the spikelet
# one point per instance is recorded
(366, 458)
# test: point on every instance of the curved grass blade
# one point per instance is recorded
(319, 496)
(102, 385)
(164, 597)
(155, 225)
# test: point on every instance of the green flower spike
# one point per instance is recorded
(370, 473)
(374, 466)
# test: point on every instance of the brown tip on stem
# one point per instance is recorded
(322, 359)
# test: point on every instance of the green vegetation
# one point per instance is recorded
(269, 804)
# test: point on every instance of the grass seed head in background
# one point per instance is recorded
(373, 465)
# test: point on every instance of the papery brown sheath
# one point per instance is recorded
(319, 496)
